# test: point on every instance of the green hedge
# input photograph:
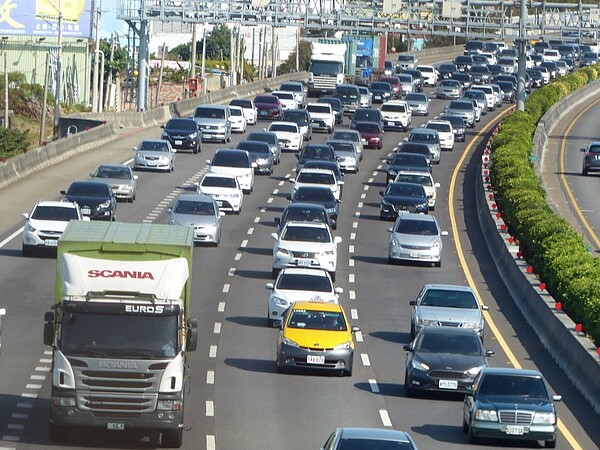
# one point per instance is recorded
(557, 253)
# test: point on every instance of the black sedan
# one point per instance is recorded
(260, 154)
(507, 403)
(406, 161)
(400, 197)
(444, 359)
(321, 195)
(95, 198)
(183, 134)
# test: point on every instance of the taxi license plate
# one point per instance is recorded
(50, 242)
(515, 430)
(304, 262)
(448, 384)
(115, 426)
(178, 142)
(86, 211)
(315, 359)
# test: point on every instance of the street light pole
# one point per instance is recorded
(58, 90)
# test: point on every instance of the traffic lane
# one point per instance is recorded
(573, 411)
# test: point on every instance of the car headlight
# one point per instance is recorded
(473, 325)
(392, 173)
(418, 365)
(385, 202)
(29, 227)
(193, 135)
(488, 415)
(105, 204)
(343, 345)
(165, 134)
(284, 251)
(289, 342)
(437, 244)
(328, 253)
(544, 417)
(473, 371)
(280, 301)
(427, 322)
(395, 242)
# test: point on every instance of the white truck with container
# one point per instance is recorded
(327, 67)
(120, 329)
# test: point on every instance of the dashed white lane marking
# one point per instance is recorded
(25, 405)
(270, 200)
(360, 205)
(38, 377)
(231, 272)
(221, 307)
(217, 328)
(375, 173)
(210, 377)
(358, 336)
(363, 196)
(46, 360)
(238, 256)
(374, 387)
(257, 219)
(29, 395)
(275, 191)
(355, 224)
(370, 180)
(385, 418)
(244, 243)
(250, 231)
(352, 295)
(350, 262)
(379, 167)
(281, 183)
(212, 352)
(12, 439)
(352, 236)
(354, 313)
(351, 278)
(357, 214)
(210, 442)
(210, 408)
(366, 188)
(226, 288)
(48, 352)
(15, 426)
(20, 416)
(365, 359)
(351, 249)
(33, 386)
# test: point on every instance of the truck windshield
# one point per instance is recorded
(325, 67)
(122, 336)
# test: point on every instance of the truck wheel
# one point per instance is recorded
(172, 439)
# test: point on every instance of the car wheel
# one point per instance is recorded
(280, 369)
(27, 250)
(437, 264)
(472, 438)
(584, 172)
(407, 390)
(134, 195)
(196, 150)
(332, 275)
(465, 426)
(275, 272)
(550, 444)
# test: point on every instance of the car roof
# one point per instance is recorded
(279, 122)
(438, 122)
(448, 330)
(423, 130)
(303, 271)
(416, 217)
(511, 371)
(210, 105)
(315, 170)
(317, 306)
(218, 175)
(304, 205)
(375, 433)
(115, 165)
(56, 203)
(448, 287)
(195, 197)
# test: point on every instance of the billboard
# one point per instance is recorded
(40, 17)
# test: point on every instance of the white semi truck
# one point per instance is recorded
(327, 67)
(120, 329)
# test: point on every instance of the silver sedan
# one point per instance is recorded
(154, 154)
(200, 212)
(120, 178)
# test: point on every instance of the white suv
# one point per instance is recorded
(322, 116)
(305, 244)
(396, 115)
(46, 223)
(430, 75)
(445, 132)
(224, 188)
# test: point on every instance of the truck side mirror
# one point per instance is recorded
(192, 335)
(48, 328)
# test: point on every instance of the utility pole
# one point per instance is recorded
(5, 92)
(192, 55)
(95, 77)
(109, 90)
(204, 59)
(58, 90)
(160, 75)
(521, 94)
(45, 100)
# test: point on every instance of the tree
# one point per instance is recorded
(289, 65)
(119, 59)
(218, 43)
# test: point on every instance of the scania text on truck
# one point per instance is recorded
(120, 329)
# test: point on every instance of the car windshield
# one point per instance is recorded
(380, 86)
(182, 124)
(449, 299)
(593, 149)
(261, 148)
(54, 213)
(416, 227)
(391, 107)
(345, 136)
(236, 112)
(284, 95)
(342, 146)
(283, 127)
(121, 173)
(210, 113)
(406, 58)
(319, 109)
(306, 234)
(298, 282)
(512, 385)
(293, 116)
(404, 189)
(460, 105)
(304, 215)
(89, 189)
(291, 87)
(450, 83)
(323, 195)
(422, 137)
(443, 127)
(401, 159)
(317, 320)
(456, 121)
(315, 178)
(368, 127)
(317, 153)
(195, 208)
(416, 98)
(231, 159)
(226, 182)
(268, 138)
(366, 115)
(455, 344)
(154, 146)
(241, 103)
(422, 179)
(266, 99)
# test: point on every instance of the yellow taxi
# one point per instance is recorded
(316, 335)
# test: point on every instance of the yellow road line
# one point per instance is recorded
(461, 256)
(563, 178)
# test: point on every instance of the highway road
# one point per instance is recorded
(237, 400)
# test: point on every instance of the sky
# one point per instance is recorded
(108, 20)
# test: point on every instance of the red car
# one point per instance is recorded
(396, 86)
(371, 134)
(268, 107)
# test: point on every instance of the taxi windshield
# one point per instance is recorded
(317, 320)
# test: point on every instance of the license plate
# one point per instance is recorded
(86, 211)
(391, 124)
(151, 163)
(315, 359)
(515, 430)
(448, 384)
(378, 97)
(50, 242)
(207, 135)
(415, 254)
(115, 426)
(304, 262)
(263, 113)
(178, 142)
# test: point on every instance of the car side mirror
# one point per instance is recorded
(162, 126)
(489, 353)
(485, 307)
(275, 236)
(208, 162)
(582, 149)
(337, 240)
(436, 185)
(269, 286)
(277, 220)
(381, 193)
(338, 290)
(469, 391)
(412, 303)
(407, 347)
(354, 329)
(292, 180)
(557, 398)
(444, 233)
(92, 174)
(25, 216)
(63, 192)
(389, 230)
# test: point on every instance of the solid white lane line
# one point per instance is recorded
(385, 418)
(212, 352)
(374, 387)
(365, 359)
(11, 237)
(210, 377)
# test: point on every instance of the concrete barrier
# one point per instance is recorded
(573, 352)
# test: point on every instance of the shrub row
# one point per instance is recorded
(557, 253)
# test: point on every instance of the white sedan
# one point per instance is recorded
(294, 284)
(445, 132)
(288, 134)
